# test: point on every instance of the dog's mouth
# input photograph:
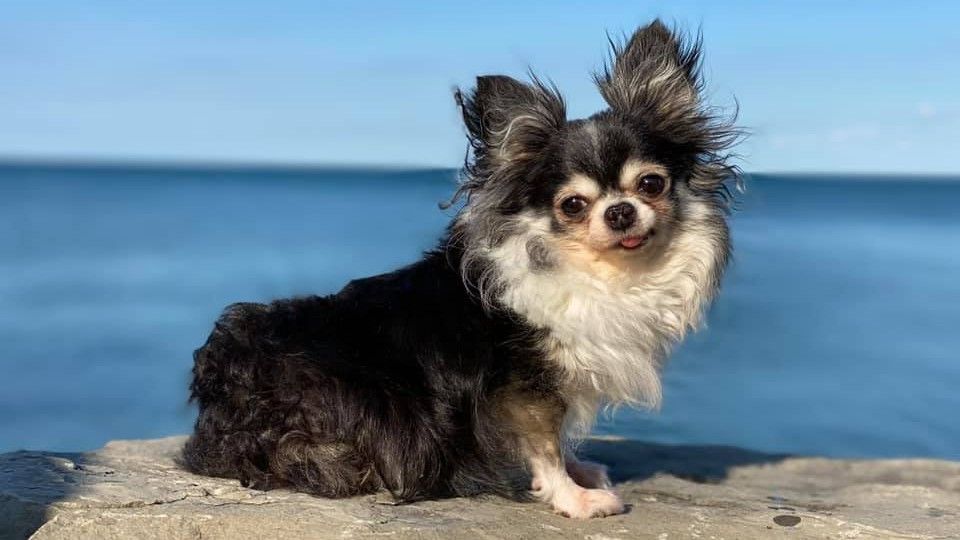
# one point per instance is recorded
(636, 242)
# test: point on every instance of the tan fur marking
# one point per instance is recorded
(578, 185)
(536, 421)
(633, 169)
(583, 185)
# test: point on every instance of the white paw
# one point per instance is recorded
(588, 503)
(589, 475)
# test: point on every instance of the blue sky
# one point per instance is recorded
(824, 86)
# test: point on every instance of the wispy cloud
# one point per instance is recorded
(926, 110)
(930, 111)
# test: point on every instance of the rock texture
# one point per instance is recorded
(134, 489)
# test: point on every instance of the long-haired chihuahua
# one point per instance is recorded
(583, 250)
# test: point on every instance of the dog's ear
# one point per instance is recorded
(654, 77)
(508, 120)
(655, 80)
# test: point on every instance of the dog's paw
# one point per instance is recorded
(589, 475)
(589, 503)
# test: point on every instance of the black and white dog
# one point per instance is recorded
(585, 249)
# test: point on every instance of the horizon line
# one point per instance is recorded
(202, 165)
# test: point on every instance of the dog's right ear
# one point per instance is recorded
(508, 120)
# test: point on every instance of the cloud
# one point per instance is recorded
(926, 110)
(941, 113)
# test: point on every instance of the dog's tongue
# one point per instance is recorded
(632, 241)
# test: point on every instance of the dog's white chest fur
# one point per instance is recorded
(610, 338)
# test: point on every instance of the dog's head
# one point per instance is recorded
(603, 193)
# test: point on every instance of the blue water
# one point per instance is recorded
(836, 332)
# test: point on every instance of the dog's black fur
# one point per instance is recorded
(387, 384)
(404, 381)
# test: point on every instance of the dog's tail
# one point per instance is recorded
(246, 429)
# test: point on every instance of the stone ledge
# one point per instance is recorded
(133, 489)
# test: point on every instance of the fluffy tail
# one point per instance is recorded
(247, 430)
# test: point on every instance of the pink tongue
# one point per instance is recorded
(631, 242)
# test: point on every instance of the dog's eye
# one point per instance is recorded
(652, 184)
(573, 206)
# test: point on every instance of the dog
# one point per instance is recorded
(581, 252)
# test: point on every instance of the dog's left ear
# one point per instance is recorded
(655, 80)
(655, 77)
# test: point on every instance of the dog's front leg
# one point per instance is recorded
(537, 421)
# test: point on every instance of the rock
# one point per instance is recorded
(134, 489)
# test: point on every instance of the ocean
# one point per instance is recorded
(836, 332)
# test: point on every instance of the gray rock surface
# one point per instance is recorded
(134, 489)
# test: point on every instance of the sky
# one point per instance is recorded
(868, 86)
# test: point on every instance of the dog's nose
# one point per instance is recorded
(620, 216)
